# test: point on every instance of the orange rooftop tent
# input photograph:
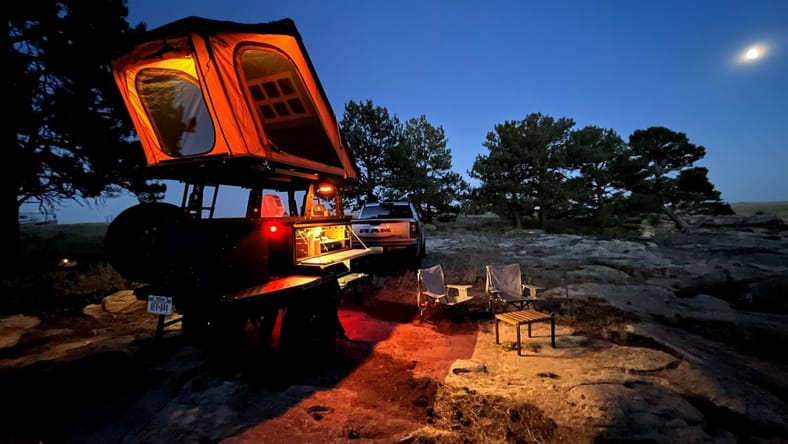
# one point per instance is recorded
(231, 103)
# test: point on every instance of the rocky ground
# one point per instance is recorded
(679, 337)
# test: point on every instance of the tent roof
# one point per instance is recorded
(205, 28)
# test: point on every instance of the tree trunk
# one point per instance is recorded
(683, 226)
(518, 220)
(9, 231)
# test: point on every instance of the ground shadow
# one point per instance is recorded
(123, 395)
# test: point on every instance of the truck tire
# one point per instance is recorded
(311, 324)
(135, 243)
(307, 330)
(413, 259)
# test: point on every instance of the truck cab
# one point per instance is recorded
(218, 104)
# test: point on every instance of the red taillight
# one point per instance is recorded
(272, 229)
(414, 229)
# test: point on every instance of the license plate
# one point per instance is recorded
(161, 305)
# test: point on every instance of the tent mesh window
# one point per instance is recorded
(177, 111)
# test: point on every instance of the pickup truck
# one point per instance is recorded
(215, 104)
(392, 226)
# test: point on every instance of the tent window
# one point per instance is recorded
(282, 104)
(176, 108)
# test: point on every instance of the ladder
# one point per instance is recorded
(194, 200)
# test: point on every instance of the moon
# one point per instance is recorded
(752, 54)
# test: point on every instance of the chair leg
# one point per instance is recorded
(431, 310)
(423, 311)
(438, 319)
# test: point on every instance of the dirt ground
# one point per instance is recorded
(645, 352)
(102, 379)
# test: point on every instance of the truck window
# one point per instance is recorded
(386, 211)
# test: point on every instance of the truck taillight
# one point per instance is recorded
(414, 230)
(273, 229)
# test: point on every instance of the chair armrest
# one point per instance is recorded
(433, 295)
(462, 290)
(532, 289)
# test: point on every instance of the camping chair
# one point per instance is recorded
(433, 291)
(504, 284)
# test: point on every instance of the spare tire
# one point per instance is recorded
(136, 241)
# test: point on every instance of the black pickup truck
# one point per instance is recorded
(392, 226)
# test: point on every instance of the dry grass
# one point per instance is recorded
(62, 270)
(474, 418)
(777, 209)
(44, 246)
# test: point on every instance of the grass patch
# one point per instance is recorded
(42, 247)
(472, 417)
(776, 209)
(62, 269)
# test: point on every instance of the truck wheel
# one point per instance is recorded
(306, 329)
(135, 243)
(264, 324)
(312, 323)
(413, 259)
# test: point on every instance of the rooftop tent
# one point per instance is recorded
(231, 103)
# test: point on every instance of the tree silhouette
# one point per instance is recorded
(595, 154)
(67, 134)
(524, 169)
(420, 168)
(665, 176)
(369, 133)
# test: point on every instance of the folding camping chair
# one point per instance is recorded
(505, 285)
(433, 292)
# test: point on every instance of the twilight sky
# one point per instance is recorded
(619, 64)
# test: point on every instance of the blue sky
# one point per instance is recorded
(624, 65)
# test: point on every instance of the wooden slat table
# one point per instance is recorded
(518, 318)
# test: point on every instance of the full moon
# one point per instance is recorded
(752, 54)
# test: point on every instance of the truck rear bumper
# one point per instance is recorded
(392, 247)
(281, 285)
